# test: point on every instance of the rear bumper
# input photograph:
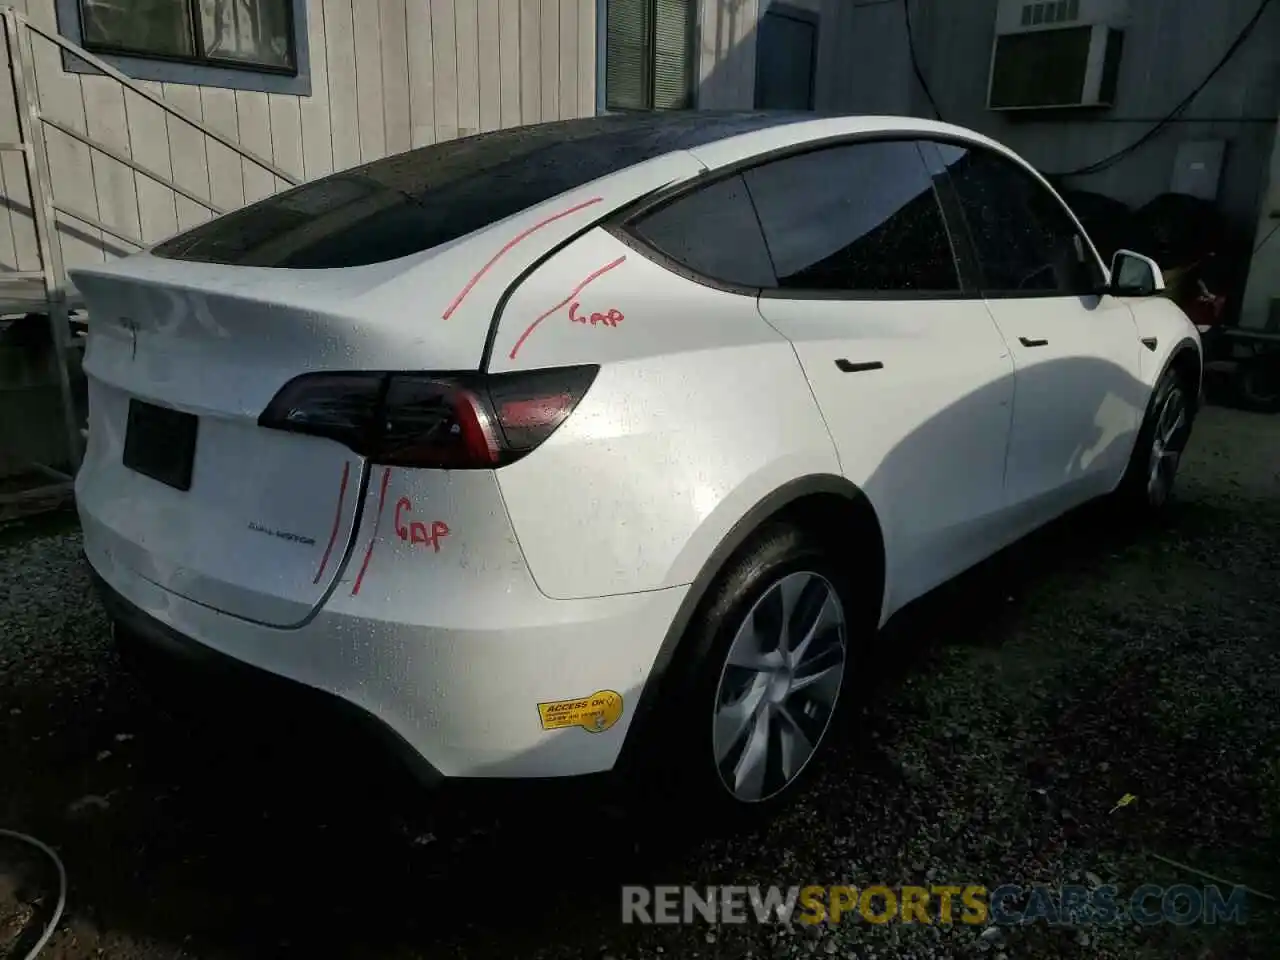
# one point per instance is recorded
(455, 702)
(250, 692)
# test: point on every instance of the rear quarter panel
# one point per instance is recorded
(700, 410)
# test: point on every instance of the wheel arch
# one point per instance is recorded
(827, 504)
(1187, 360)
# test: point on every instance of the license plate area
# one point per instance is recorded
(160, 443)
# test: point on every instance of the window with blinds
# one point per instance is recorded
(250, 34)
(649, 54)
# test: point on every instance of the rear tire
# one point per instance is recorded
(1157, 453)
(1257, 385)
(761, 677)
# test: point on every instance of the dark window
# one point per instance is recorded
(1025, 240)
(861, 217)
(713, 232)
(254, 34)
(1043, 68)
(414, 201)
(649, 54)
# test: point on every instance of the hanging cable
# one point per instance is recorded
(1177, 111)
(62, 887)
(1263, 242)
(915, 62)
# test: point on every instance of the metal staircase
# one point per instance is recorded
(47, 292)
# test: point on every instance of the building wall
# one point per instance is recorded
(404, 73)
(1169, 48)
(862, 57)
(1264, 275)
(726, 55)
(386, 75)
(727, 49)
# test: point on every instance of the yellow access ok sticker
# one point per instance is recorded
(595, 714)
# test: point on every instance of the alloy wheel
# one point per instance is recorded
(1167, 443)
(779, 686)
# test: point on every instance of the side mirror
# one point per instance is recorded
(1133, 275)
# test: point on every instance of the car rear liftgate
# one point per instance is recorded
(186, 354)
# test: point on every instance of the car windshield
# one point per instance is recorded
(415, 201)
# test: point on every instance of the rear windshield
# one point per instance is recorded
(414, 201)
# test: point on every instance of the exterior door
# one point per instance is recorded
(1079, 398)
(907, 366)
(786, 54)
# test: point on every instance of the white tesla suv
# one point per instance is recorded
(559, 447)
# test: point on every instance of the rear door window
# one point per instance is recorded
(1026, 243)
(712, 233)
(859, 218)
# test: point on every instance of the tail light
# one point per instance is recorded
(464, 421)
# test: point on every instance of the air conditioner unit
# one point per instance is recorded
(1055, 53)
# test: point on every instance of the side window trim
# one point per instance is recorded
(1051, 195)
(619, 231)
(1082, 240)
(969, 273)
(962, 245)
(858, 296)
(622, 228)
(964, 291)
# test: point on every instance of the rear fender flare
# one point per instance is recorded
(739, 534)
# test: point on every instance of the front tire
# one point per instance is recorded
(763, 673)
(1157, 453)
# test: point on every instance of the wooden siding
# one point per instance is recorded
(386, 75)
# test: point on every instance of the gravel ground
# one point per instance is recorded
(1007, 715)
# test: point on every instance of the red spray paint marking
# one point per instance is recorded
(415, 532)
(337, 519)
(610, 319)
(506, 248)
(377, 522)
(569, 299)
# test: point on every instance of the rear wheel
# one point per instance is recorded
(763, 674)
(1157, 454)
(1258, 385)
(779, 686)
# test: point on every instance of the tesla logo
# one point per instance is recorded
(610, 319)
(416, 532)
